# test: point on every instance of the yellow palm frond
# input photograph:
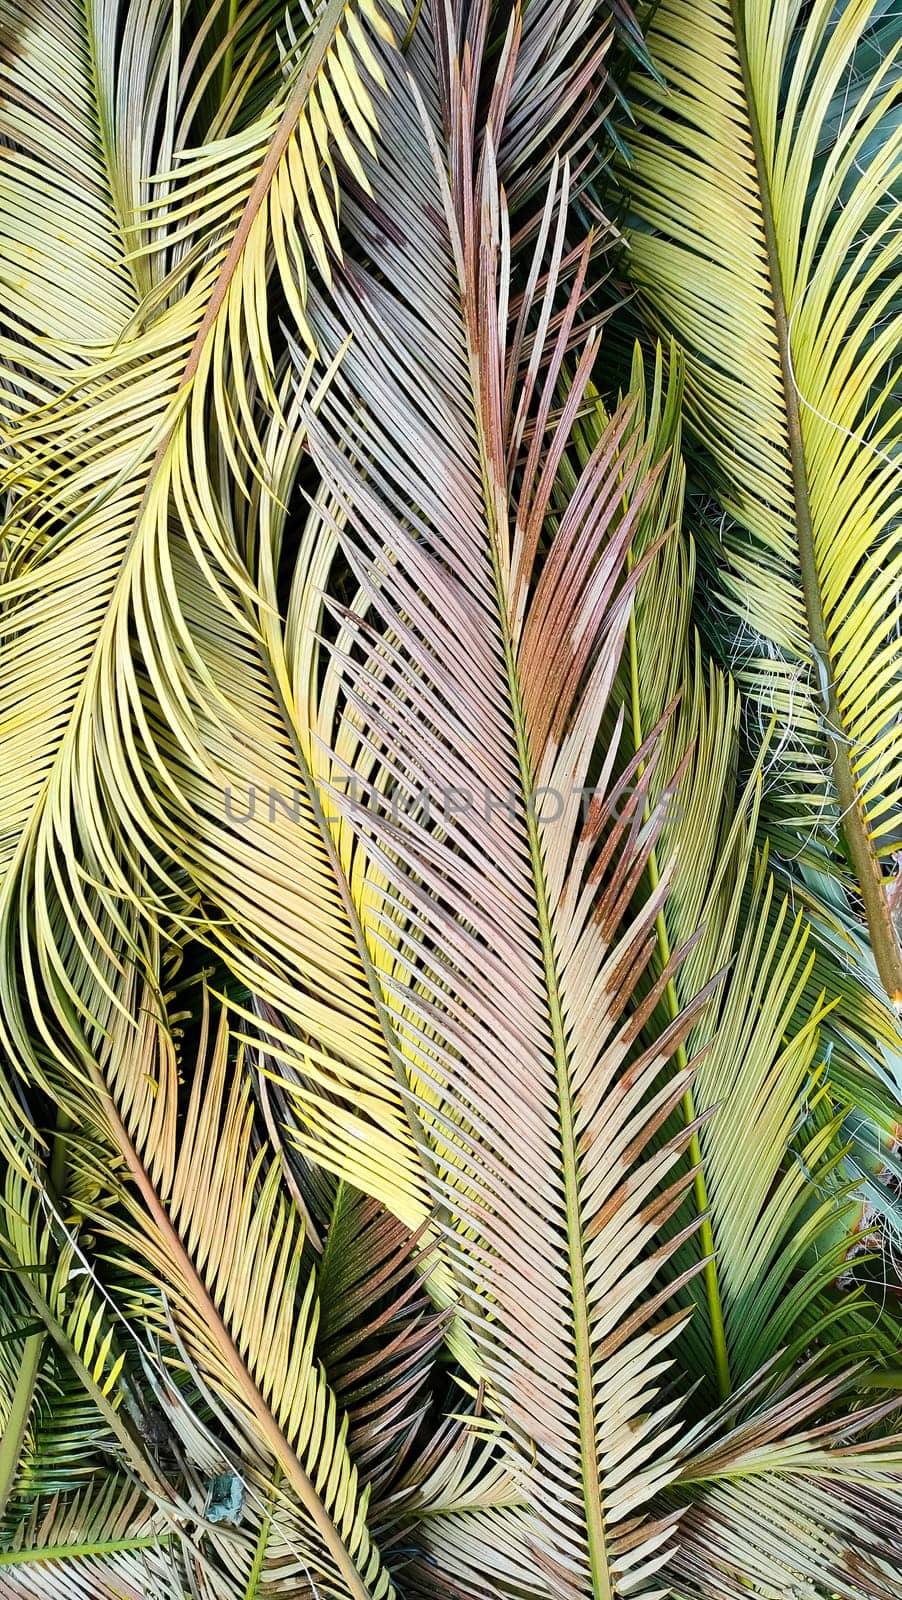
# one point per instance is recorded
(766, 238)
(110, 423)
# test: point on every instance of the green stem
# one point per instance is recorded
(228, 60)
(74, 1552)
(671, 1001)
(19, 1412)
(27, 1376)
(871, 883)
(411, 29)
(157, 1485)
(266, 1526)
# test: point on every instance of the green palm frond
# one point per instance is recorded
(54, 1439)
(780, 1323)
(62, 1357)
(768, 1041)
(764, 187)
(73, 1516)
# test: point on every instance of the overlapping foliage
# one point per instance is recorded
(449, 1046)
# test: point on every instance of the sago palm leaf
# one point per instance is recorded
(54, 1438)
(63, 1359)
(207, 1224)
(74, 1451)
(69, 1300)
(796, 1503)
(377, 1334)
(109, 416)
(444, 903)
(316, 1427)
(764, 188)
(99, 1546)
(465, 667)
(778, 1321)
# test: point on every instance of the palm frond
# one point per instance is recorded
(782, 1206)
(62, 1359)
(511, 1234)
(497, 931)
(94, 1547)
(766, 238)
(221, 1241)
(377, 1337)
(112, 428)
(800, 1503)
